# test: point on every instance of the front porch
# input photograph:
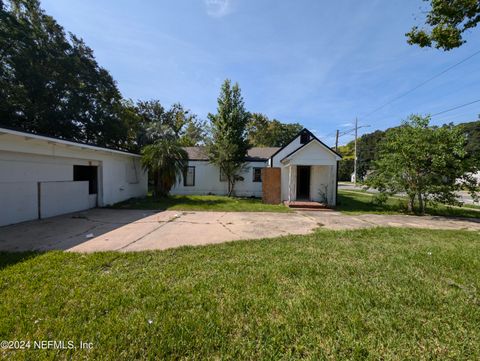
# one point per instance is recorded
(309, 185)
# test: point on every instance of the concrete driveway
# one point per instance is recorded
(135, 230)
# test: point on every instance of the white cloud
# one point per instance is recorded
(218, 8)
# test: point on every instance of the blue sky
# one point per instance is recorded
(320, 63)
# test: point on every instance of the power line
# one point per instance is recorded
(457, 107)
(423, 83)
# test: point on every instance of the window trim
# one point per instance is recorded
(185, 172)
(253, 175)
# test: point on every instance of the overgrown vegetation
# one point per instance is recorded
(367, 294)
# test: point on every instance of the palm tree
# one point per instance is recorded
(166, 160)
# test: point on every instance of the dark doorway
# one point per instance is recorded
(303, 182)
(86, 173)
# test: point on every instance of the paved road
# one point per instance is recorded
(462, 195)
(133, 230)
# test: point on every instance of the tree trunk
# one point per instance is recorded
(157, 185)
(411, 203)
(421, 203)
(231, 185)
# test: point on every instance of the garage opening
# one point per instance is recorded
(87, 173)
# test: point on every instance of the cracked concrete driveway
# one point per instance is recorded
(136, 230)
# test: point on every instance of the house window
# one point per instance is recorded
(223, 177)
(86, 173)
(304, 138)
(257, 174)
(189, 176)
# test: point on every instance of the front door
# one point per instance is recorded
(303, 182)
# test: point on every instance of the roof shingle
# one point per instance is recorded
(253, 154)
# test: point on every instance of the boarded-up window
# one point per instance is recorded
(189, 176)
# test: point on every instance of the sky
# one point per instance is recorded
(319, 63)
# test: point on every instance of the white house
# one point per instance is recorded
(42, 177)
(307, 172)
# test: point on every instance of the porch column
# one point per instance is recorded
(289, 182)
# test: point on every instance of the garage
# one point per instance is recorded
(42, 177)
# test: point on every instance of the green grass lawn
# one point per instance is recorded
(358, 202)
(386, 293)
(202, 203)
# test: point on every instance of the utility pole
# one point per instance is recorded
(336, 141)
(356, 137)
(355, 159)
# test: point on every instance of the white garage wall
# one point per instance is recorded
(207, 180)
(118, 182)
(25, 161)
(63, 197)
(18, 202)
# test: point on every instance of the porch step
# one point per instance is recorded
(302, 205)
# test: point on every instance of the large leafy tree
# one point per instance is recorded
(166, 161)
(228, 145)
(446, 21)
(265, 132)
(427, 163)
(155, 122)
(50, 83)
(162, 134)
(472, 132)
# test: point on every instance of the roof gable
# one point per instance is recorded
(304, 147)
(311, 136)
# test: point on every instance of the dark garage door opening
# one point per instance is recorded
(87, 173)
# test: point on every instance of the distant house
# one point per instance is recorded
(42, 176)
(303, 170)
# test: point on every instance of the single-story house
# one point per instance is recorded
(42, 176)
(303, 170)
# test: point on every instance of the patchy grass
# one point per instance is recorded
(202, 203)
(358, 202)
(382, 293)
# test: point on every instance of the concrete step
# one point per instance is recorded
(306, 205)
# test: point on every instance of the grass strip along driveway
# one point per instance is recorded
(202, 203)
(360, 202)
(380, 293)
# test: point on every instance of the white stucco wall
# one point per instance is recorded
(207, 181)
(25, 161)
(63, 197)
(322, 183)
